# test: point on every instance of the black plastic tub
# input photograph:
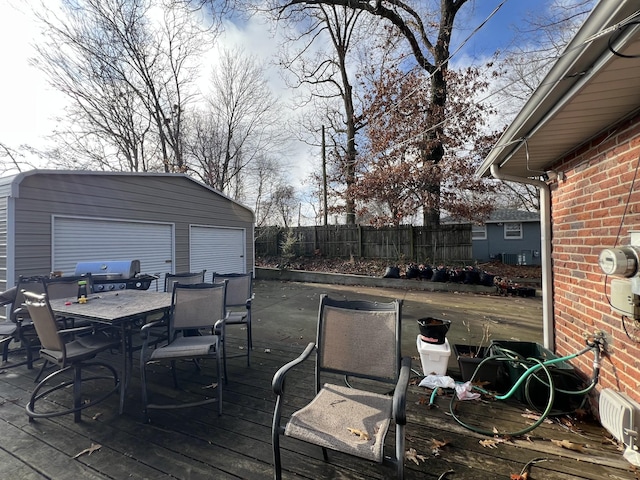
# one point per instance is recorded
(433, 330)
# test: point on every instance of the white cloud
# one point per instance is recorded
(29, 104)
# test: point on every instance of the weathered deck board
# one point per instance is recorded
(196, 443)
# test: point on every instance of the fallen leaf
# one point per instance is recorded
(517, 476)
(412, 455)
(576, 447)
(439, 443)
(489, 443)
(89, 451)
(360, 433)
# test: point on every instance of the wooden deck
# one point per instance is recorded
(196, 443)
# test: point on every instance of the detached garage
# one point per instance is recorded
(51, 220)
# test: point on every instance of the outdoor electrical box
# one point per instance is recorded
(623, 300)
(624, 262)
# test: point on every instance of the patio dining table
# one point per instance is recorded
(123, 310)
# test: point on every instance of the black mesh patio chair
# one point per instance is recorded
(74, 355)
(238, 304)
(185, 278)
(194, 307)
(66, 287)
(170, 279)
(359, 340)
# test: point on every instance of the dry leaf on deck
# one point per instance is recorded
(360, 433)
(489, 443)
(412, 455)
(90, 450)
(439, 443)
(576, 447)
(436, 445)
(517, 476)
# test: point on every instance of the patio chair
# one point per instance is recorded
(66, 287)
(198, 307)
(359, 340)
(185, 278)
(170, 279)
(238, 303)
(73, 355)
(19, 317)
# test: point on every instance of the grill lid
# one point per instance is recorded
(110, 270)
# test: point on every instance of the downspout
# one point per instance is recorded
(545, 241)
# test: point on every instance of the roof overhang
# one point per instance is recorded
(588, 89)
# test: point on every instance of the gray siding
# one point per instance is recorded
(139, 197)
(496, 244)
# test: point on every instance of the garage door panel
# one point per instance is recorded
(83, 240)
(217, 249)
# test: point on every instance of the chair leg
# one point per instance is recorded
(220, 382)
(5, 348)
(275, 444)
(224, 362)
(77, 393)
(400, 450)
(143, 384)
(174, 373)
(249, 344)
(42, 369)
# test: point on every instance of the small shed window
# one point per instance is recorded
(512, 231)
(479, 232)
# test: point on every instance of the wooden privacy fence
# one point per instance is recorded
(447, 244)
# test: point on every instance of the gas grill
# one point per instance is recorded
(115, 275)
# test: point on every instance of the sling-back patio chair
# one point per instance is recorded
(238, 303)
(194, 307)
(359, 340)
(74, 356)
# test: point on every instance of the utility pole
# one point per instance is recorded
(324, 177)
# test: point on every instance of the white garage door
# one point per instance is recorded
(84, 240)
(217, 249)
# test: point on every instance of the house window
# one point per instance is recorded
(479, 232)
(512, 231)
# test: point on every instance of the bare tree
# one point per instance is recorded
(241, 123)
(128, 67)
(326, 72)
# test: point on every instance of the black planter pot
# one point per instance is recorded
(433, 330)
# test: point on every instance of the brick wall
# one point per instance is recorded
(595, 207)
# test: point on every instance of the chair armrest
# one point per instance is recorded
(278, 379)
(87, 328)
(400, 392)
(144, 330)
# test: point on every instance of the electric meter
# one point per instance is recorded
(619, 261)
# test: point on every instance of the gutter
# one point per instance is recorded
(545, 241)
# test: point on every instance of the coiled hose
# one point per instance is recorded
(533, 367)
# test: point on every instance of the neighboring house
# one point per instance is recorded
(50, 220)
(582, 127)
(511, 236)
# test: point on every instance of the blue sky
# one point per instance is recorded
(499, 31)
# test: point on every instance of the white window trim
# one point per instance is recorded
(479, 232)
(512, 237)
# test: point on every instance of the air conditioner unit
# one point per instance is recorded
(620, 415)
